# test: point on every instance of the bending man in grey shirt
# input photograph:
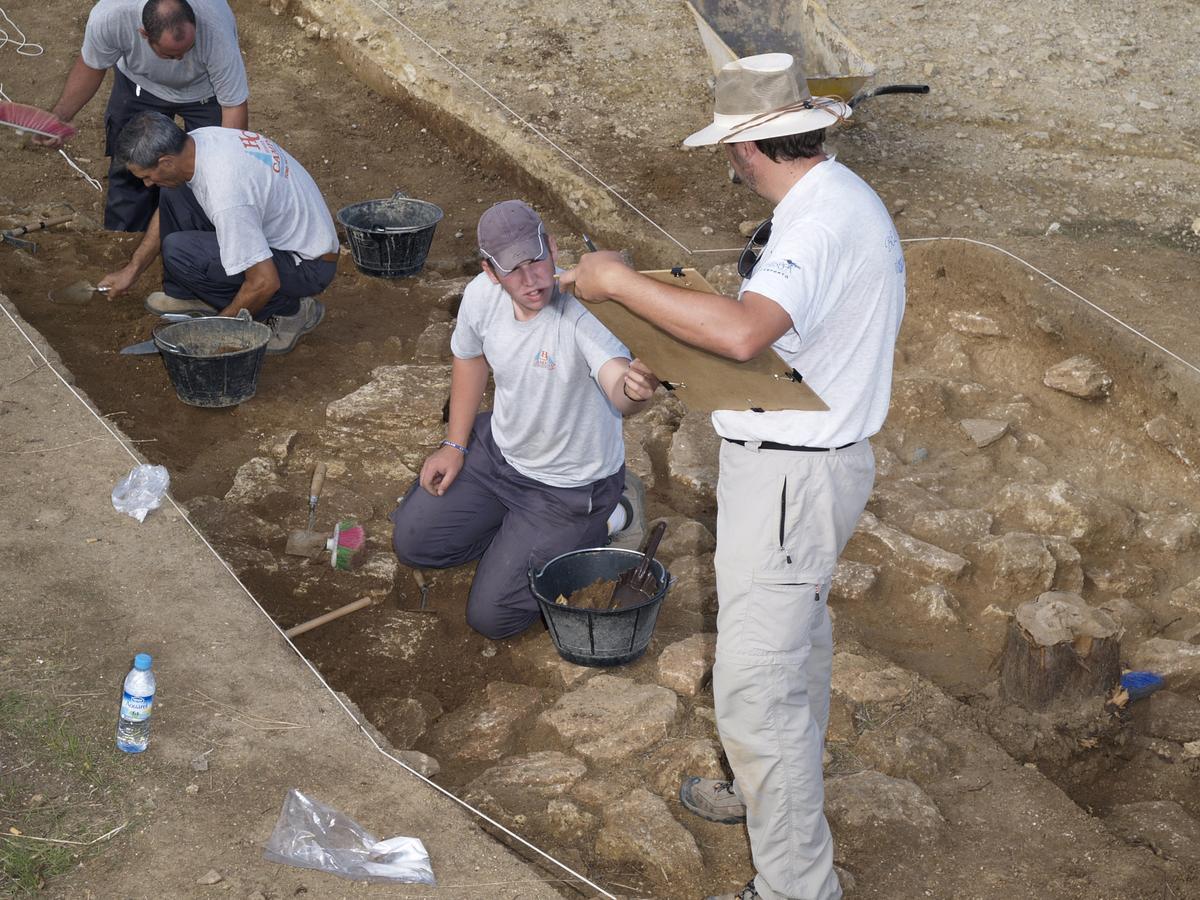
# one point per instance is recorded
(176, 57)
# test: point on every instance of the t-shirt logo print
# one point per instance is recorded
(543, 360)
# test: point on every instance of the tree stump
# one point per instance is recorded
(1059, 652)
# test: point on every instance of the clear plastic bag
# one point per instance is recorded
(314, 836)
(141, 491)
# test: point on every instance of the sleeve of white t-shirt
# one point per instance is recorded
(223, 58)
(597, 344)
(103, 42)
(795, 273)
(240, 237)
(466, 341)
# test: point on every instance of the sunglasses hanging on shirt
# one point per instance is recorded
(754, 247)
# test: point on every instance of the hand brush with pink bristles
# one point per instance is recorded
(348, 546)
(30, 118)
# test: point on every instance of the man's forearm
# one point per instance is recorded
(236, 116)
(258, 287)
(82, 83)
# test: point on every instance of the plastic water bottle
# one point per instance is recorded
(137, 701)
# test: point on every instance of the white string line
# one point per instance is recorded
(70, 162)
(303, 658)
(525, 122)
(22, 44)
(1149, 340)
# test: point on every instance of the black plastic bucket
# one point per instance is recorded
(596, 637)
(213, 361)
(390, 238)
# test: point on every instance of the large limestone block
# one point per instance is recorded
(640, 830)
(483, 728)
(399, 411)
(683, 537)
(1014, 567)
(611, 718)
(853, 580)
(870, 809)
(1177, 661)
(433, 346)
(910, 752)
(918, 397)
(1079, 376)
(1177, 438)
(522, 786)
(885, 545)
(1063, 509)
(693, 584)
(692, 459)
(255, 480)
(686, 665)
(1123, 578)
(1172, 534)
(535, 653)
(1170, 716)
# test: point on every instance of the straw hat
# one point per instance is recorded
(765, 96)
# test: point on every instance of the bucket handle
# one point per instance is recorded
(401, 195)
(164, 344)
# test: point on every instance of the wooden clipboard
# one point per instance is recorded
(703, 380)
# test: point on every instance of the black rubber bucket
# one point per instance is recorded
(213, 361)
(390, 238)
(596, 637)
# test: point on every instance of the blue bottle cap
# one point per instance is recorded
(142, 661)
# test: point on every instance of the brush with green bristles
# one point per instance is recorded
(348, 546)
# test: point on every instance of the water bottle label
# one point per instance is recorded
(135, 709)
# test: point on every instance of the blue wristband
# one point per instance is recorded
(459, 447)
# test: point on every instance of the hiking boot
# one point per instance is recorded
(633, 503)
(747, 893)
(160, 303)
(287, 330)
(712, 800)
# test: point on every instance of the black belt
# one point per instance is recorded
(771, 445)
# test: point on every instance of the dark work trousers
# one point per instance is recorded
(508, 522)
(191, 261)
(130, 204)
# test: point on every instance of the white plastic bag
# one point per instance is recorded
(141, 491)
(315, 836)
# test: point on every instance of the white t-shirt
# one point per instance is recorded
(835, 265)
(213, 67)
(551, 420)
(258, 198)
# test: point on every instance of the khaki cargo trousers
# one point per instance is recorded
(783, 517)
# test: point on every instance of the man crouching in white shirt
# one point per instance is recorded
(240, 225)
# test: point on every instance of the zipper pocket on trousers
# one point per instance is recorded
(783, 519)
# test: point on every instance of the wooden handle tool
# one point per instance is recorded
(314, 492)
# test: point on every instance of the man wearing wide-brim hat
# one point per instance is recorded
(824, 289)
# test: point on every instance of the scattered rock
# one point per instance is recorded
(536, 653)
(909, 752)
(984, 432)
(433, 345)
(673, 760)
(524, 785)
(1170, 716)
(212, 876)
(419, 762)
(888, 545)
(853, 580)
(936, 603)
(974, 323)
(610, 718)
(870, 809)
(255, 479)
(1172, 534)
(1061, 508)
(692, 459)
(683, 537)
(1162, 825)
(482, 728)
(1015, 566)
(1123, 578)
(639, 829)
(1079, 376)
(1177, 438)
(952, 529)
(568, 822)
(685, 666)
(861, 680)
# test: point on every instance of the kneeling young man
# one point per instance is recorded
(540, 474)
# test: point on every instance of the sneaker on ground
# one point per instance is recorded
(160, 303)
(712, 800)
(287, 330)
(747, 893)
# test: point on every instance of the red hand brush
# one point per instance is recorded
(348, 546)
(30, 118)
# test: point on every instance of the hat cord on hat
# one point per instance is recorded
(831, 105)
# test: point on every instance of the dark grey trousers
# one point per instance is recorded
(129, 205)
(508, 522)
(191, 260)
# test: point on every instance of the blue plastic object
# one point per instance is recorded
(1141, 684)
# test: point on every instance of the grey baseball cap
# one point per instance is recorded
(511, 233)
